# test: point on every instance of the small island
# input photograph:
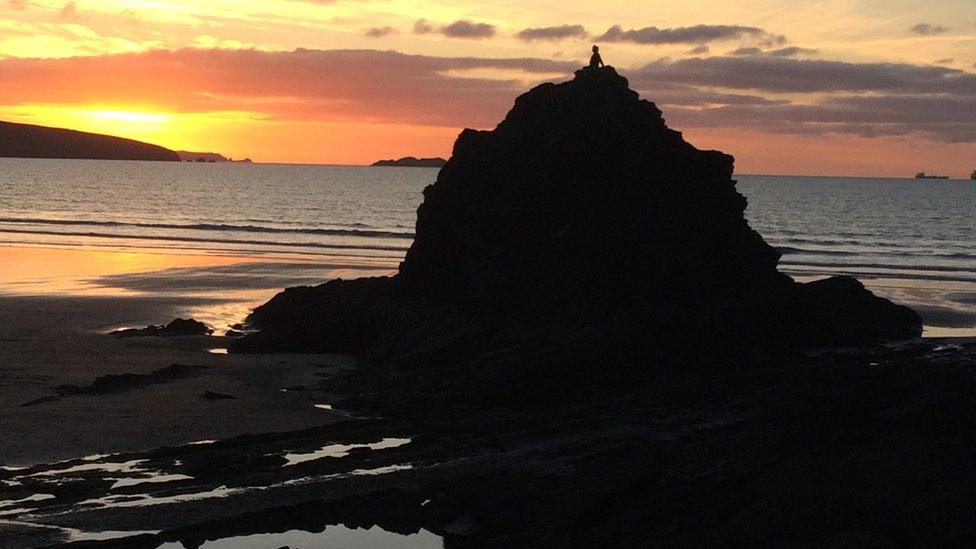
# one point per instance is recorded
(211, 157)
(413, 162)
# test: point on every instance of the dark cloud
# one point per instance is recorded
(926, 29)
(787, 75)
(468, 29)
(423, 27)
(379, 32)
(791, 51)
(865, 99)
(698, 34)
(699, 49)
(552, 33)
(746, 51)
(946, 61)
(689, 96)
(941, 118)
(458, 29)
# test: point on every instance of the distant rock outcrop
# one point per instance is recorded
(190, 156)
(582, 221)
(27, 141)
(412, 162)
(210, 157)
(178, 327)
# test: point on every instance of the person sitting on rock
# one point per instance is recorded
(595, 60)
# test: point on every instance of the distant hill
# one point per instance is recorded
(412, 162)
(28, 141)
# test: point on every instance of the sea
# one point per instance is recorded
(276, 225)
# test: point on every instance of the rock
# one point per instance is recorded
(178, 327)
(412, 162)
(210, 395)
(845, 312)
(120, 383)
(581, 222)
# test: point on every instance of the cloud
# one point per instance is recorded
(69, 12)
(746, 51)
(468, 29)
(458, 29)
(945, 61)
(375, 86)
(16, 5)
(790, 51)
(925, 29)
(552, 33)
(698, 34)
(423, 27)
(787, 75)
(380, 32)
(699, 49)
(864, 99)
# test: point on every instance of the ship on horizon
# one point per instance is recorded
(973, 175)
(923, 175)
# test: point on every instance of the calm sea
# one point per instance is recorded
(913, 240)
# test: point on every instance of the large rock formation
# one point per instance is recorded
(582, 220)
(28, 141)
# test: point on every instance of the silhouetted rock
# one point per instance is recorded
(210, 395)
(581, 222)
(178, 327)
(117, 383)
(190, 156)
(27, 141)
(413, 162)
(120, 383)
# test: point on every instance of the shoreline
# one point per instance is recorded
(221, 288)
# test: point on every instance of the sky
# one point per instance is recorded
(825, 87)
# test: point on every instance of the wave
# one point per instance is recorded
(211, 240)
(791, 250)
(216, 227)
(882, 266)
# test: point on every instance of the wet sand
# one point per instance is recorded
(48, 342)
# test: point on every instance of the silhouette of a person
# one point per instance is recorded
(595, 60)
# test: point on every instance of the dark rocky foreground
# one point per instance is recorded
(587, 346)
(868, 447)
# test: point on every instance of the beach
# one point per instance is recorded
(169, 441)
(49, 342)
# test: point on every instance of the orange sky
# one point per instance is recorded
(802, 86)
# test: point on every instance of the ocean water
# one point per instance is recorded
(914, 241)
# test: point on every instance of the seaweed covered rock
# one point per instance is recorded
(582, 219)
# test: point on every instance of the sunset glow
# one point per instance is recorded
(345, 82)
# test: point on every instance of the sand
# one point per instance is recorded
(46, 342)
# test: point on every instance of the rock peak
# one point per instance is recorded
(601, 76)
